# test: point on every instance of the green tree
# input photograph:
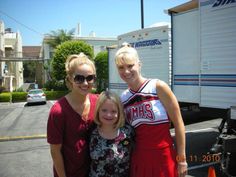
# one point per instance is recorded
(59, 36)
(55, 39)
(101, 62)
(29, 71)
(63, 51)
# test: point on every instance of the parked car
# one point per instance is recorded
(36, 96)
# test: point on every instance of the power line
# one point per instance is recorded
(29, 28)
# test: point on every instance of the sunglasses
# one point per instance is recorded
(79, 79)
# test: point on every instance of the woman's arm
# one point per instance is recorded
(57, 158)
(171, 105)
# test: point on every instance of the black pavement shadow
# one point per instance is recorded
(204, 114)
(34, 104)
(198, 145)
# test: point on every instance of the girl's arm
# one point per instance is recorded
(171, 105)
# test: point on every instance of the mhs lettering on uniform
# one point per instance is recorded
(143, 111)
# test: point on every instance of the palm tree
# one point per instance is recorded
(59, 36)
(55, 39)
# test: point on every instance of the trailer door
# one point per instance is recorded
(218, 53)
(186, 57)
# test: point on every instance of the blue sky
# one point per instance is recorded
(107, 18)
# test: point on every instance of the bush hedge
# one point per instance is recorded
(54, 95)
(18, 96)
(5, 97)
(21, 96)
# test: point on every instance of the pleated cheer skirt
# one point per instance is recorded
(154, 163)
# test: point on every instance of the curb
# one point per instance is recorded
(16, 138)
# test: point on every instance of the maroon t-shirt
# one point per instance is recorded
(66, 127)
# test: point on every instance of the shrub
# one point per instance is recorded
(54, 95)
(19, 96)
(19, 90)
(5, 97)
(55, 85)
(101, 62)
(63, 51)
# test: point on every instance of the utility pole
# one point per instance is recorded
(142, 21)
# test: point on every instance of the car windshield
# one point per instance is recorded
(35, 91)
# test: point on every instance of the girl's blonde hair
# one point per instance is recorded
(105, 95)
(72, 62)
(126, 54)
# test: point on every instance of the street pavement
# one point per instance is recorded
(25, 158)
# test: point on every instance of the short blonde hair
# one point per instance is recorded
(126, 54)
(105, 95)
(72, 62)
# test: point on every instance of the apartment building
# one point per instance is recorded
(11, 69)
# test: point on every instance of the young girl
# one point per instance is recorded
(150, 105)
(71, 118)
(110, 142)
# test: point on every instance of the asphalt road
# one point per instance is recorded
(24, 151)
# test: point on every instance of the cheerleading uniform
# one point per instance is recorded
(154, 154)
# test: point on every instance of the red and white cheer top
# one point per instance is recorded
(145, 112)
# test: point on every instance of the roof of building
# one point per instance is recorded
(184, 7)
(31, 51)
(88, 38)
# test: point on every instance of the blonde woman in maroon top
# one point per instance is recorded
(71, 120)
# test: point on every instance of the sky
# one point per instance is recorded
(106, 18)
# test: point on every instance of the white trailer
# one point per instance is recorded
(204, 53)
(153, 46)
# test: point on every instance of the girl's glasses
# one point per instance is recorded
(79, 79)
